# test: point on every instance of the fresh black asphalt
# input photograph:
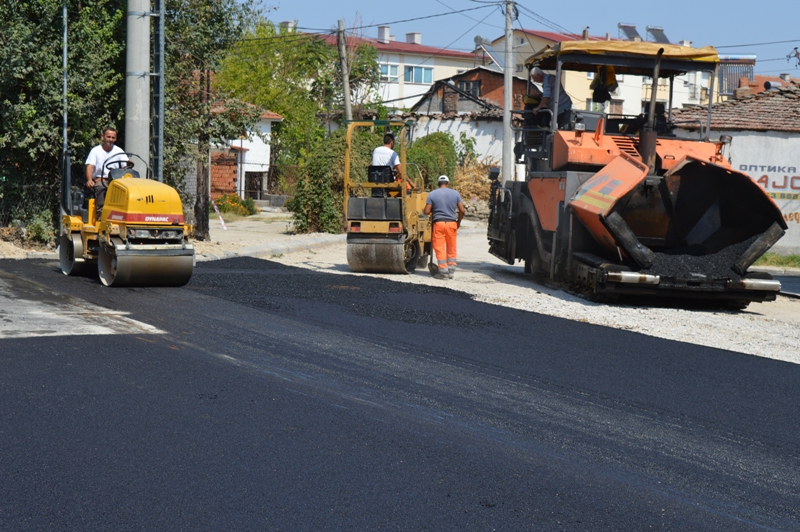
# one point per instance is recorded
(286, 399)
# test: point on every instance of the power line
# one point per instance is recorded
(756, 44)
(548, 23)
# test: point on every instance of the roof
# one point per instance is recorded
(772, 110)
(269, 115)
(219, 107)
(627, 57)
(552, 36)
(397, 47)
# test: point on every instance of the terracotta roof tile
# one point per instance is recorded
(772, 110)
(397, 47)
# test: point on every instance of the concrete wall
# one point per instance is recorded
(488, 134)
(772, 159)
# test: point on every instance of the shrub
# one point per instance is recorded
(231, 203)
(435, 154)
(317, 203)
(40, 228)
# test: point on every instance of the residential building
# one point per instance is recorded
(633, 92)
(475, 90)
(409, 68)
(241, 166)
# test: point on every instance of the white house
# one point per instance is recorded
(409, 68)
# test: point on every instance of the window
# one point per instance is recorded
(418, 75)
(596, 107)
(389, 73)
(522, 40)
(520, 66)
(615, 107)
(472, 88)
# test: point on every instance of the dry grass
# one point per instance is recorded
(773, 259)
(472, 180)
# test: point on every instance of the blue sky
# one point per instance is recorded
(727, 25)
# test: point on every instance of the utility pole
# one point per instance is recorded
(508, 73)
(348, 112)
(137, 80)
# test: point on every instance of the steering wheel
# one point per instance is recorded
(120, 164)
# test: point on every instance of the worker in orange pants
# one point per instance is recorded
(447, 208)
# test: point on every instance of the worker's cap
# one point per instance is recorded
(444, 179)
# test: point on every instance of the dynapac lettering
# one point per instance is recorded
(156, 218)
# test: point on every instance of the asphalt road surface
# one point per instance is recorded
(264, 397)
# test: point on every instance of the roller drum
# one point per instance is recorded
(70, 254)
(381, 255)
(120, 267)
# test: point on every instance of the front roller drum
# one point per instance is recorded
(382, 255)
(70, 254)
(117, 266)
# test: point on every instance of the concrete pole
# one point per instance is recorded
(508, 72)
(348, 112)
(137, 80)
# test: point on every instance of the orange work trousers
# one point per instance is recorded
(444, 245)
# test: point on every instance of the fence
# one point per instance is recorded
(28, 199)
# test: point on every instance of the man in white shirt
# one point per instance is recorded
(385, 155)
(96, 168)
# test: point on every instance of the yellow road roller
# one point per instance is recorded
(387, 231)
(140, 239)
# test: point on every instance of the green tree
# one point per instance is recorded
(200, 34)
(272, 67)
(435, 154)
(31, 94)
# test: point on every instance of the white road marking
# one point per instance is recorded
(23, 314)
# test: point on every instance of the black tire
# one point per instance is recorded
(533, 262)
(412, 256)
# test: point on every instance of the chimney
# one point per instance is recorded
(608, 36)
(287, 25)
(585, 33)
(414, 38)
(687, 44)
(786, 77)
(383, 34)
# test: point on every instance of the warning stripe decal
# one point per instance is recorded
(115, 216)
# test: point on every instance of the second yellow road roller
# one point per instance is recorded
(387, 231)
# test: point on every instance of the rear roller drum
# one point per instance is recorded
(382, 256)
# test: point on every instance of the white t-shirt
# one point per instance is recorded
(383, 156)
(98, 157)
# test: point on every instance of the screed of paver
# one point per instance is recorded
(28, 310)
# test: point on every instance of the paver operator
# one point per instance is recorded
(448, 210)
(96, 169)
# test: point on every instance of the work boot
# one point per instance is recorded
(443, 273)
(451, 272)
